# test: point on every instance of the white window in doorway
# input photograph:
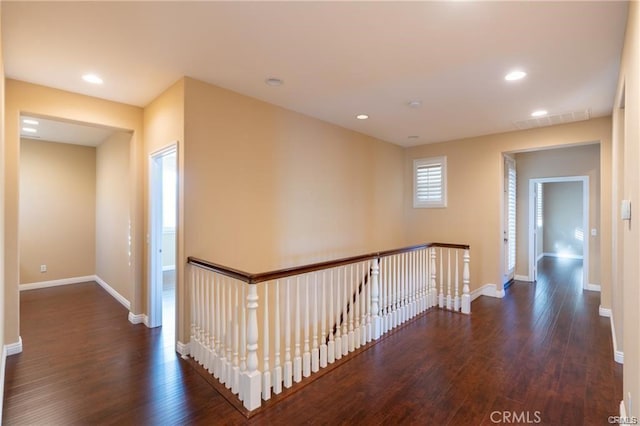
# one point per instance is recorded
(430, 182)
(539, 205)
(511, 213)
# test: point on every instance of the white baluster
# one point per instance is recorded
(349, 313)
(192, 297)
(218, 333)
(323, 336)
(363, 304)
(441, 295)
(345, 304)
(338, 326)
(306, 355)
(359, 288)
(331, 345)
(212, 322)
(266, 369)
(235, 369)
(315, 351)
(368, 303)
(229, 345)
(403, 282)
(456, 299)
(375, 299)
(277, 370)
(411, 284)
(223, 337)
(449, 279)
(297, 355)
(432, 267)
(466, 297)
(288, 367)
(243, 337)
(252, 378)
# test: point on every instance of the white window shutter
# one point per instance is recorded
(430, 182)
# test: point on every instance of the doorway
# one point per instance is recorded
(509, 226)
(163, 212)
(575, 241)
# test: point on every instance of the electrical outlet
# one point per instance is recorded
(43, 268)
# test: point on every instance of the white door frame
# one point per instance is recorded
(585, 224)
(154, 237)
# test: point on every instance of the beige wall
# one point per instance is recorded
(2, 182)
(475, 170)
(562, 217)
(43, 101)
(112, 213)
(57, 215)
(626, 247)
(562, 162)
(275, 188)
(266, 188)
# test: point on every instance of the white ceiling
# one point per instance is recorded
(337, 59)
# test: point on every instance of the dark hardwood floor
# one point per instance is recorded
(541, 351)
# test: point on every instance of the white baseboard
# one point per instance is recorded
(55, 283)
(592, 287)
(120, 298)
(564, 256)
(618, 356)
(521, 278)
(182, 349)
(487, 290)
(138, 319)
(604, 312)
(14, 348)
(168, 268)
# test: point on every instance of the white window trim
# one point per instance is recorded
(421, 162)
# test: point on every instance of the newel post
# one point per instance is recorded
(466, 297)
(252, 379)
(375, 301)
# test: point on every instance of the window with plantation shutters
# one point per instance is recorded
(430, 182)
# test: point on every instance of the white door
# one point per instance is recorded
(509, 218)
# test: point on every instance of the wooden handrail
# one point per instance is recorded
(299, 270)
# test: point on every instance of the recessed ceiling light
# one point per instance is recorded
(30, 121)
(272, 81)
(92, 78)
(415, 104)
(539, 113)
(29, 130)
(515, 75)
(362, 116)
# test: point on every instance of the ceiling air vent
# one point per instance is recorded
(552, 120)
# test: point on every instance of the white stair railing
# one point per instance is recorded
(242, 324)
